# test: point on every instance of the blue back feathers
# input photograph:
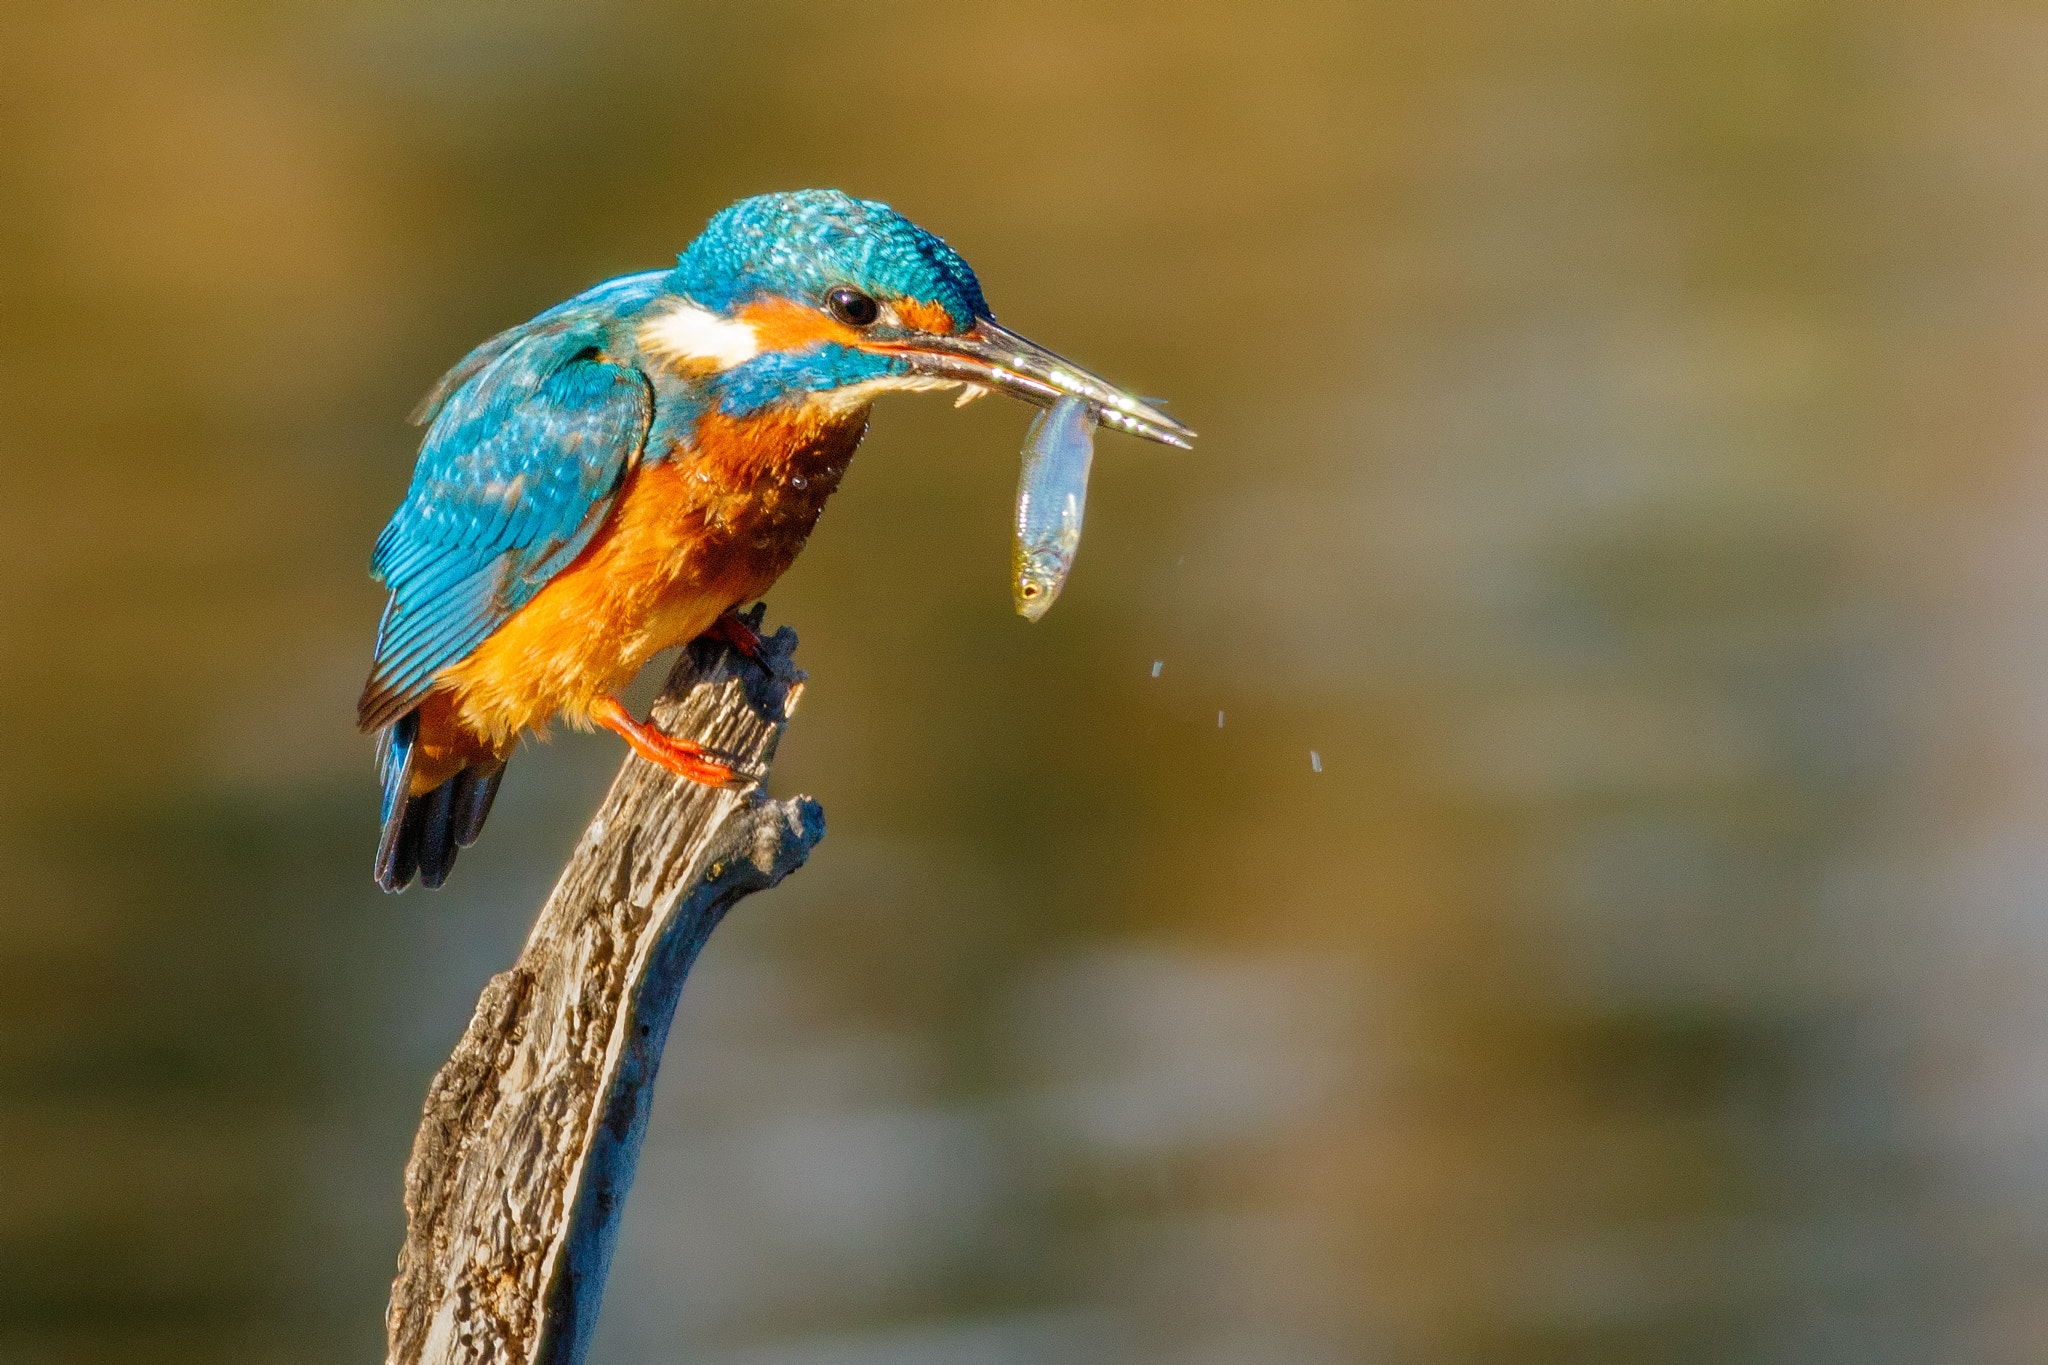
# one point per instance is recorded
(516, 474)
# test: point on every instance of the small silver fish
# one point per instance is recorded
(1052, 493)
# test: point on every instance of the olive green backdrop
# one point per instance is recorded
(1621, 464)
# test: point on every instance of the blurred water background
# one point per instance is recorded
(1620, 465)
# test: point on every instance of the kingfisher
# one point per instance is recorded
(623, 472)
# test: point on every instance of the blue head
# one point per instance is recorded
(802, 245)
(815, 298)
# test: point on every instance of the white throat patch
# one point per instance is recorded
(690, 332)
(850, 396)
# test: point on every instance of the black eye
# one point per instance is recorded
(852, 307)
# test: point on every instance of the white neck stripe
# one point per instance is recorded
(691, 332)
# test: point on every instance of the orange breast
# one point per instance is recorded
(688, 537)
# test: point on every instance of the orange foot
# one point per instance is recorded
(682, 756)
(737, 633)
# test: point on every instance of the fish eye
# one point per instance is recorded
(1030, 590)
(852, 307)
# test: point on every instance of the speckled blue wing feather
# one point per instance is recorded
(526, 452)
(621, 295)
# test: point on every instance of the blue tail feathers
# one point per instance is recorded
(422, 834)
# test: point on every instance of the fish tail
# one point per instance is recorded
(422, 833)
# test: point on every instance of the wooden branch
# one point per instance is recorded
(532, 1129)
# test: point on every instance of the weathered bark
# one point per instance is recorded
(532, 1129)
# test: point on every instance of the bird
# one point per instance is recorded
(622, 472)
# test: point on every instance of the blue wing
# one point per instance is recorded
(517, 472)
(626, 293)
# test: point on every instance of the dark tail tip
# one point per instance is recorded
(398, 856)
(475, 789)
(422, 834)
(437, 837)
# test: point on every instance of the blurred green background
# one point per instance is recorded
(1620, 463)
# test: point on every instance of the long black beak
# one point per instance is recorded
(995, 357)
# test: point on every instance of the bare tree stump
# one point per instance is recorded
(532, 1130)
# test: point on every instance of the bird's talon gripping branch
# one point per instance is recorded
(731, 630)
(684, 757)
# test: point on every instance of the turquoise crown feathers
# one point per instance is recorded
(801, 243)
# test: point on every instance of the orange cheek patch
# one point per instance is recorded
(925, 317)
(786, 325)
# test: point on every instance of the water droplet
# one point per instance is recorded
(1157, 664)
(799, 481)
(1315, 761)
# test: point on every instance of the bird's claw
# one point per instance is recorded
(684, 757)
(730, 629)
